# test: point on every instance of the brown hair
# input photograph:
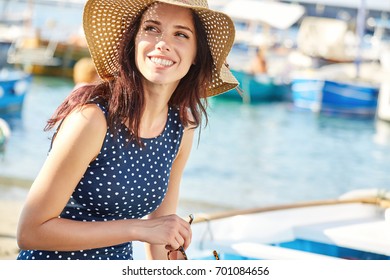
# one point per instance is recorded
(124, 95)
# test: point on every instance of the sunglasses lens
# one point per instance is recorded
(181, 250)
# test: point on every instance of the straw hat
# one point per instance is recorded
(105, 21)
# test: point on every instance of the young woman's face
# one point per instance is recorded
(165, 46)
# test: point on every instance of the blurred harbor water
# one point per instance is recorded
(248, 155)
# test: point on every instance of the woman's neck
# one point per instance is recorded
(154, 116)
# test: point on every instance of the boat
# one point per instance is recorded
(65, 56)
(257, 88)
(14, 85)
(336, 89)
(45, 51)
(260, 28)
(332, 40)
(354, 226)
(12, 26)
(338, 86)
(48, 57)
(326, 39)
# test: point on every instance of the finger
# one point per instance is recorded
(173, 245)
(180, 240)
(187, 237)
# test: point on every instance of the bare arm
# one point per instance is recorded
(169, 205)
(77, 143)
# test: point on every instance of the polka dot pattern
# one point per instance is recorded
(125, 181)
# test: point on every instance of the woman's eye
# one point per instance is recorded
(150, 28)
(179, 34)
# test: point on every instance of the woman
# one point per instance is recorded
(121, 146)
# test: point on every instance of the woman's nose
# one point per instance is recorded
(162, 44)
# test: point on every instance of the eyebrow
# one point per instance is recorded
(176, 26)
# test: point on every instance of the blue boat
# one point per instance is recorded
(14, 86)
(306, 93)
(349, 99)
(335, 97)
(334, 91)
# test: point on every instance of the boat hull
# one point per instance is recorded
(13, 89)
(335, 97)
(336, 229)
(257, 88)
(68, 55)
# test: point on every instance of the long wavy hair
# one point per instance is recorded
(124, 98)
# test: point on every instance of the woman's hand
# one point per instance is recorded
(170, 231)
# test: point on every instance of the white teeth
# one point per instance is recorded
(160, 61)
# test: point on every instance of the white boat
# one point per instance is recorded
(354, 226)
(337, 30)
(255, 19)
(326, 38)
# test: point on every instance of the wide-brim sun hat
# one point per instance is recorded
(105, 21)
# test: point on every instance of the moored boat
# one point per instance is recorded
(258, 88)
(259, 26)
(354, 226)
(46, 57)
(14, 85)
(336, 90)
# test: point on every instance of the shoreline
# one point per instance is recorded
(9, 182)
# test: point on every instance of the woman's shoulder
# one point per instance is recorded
(90, 117)
(81, 132)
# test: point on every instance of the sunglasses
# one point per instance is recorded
(183, 252)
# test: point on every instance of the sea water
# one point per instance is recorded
(249, 155)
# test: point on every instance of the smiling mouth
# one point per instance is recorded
(160, 61)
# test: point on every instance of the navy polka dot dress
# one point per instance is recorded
(125, 181)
